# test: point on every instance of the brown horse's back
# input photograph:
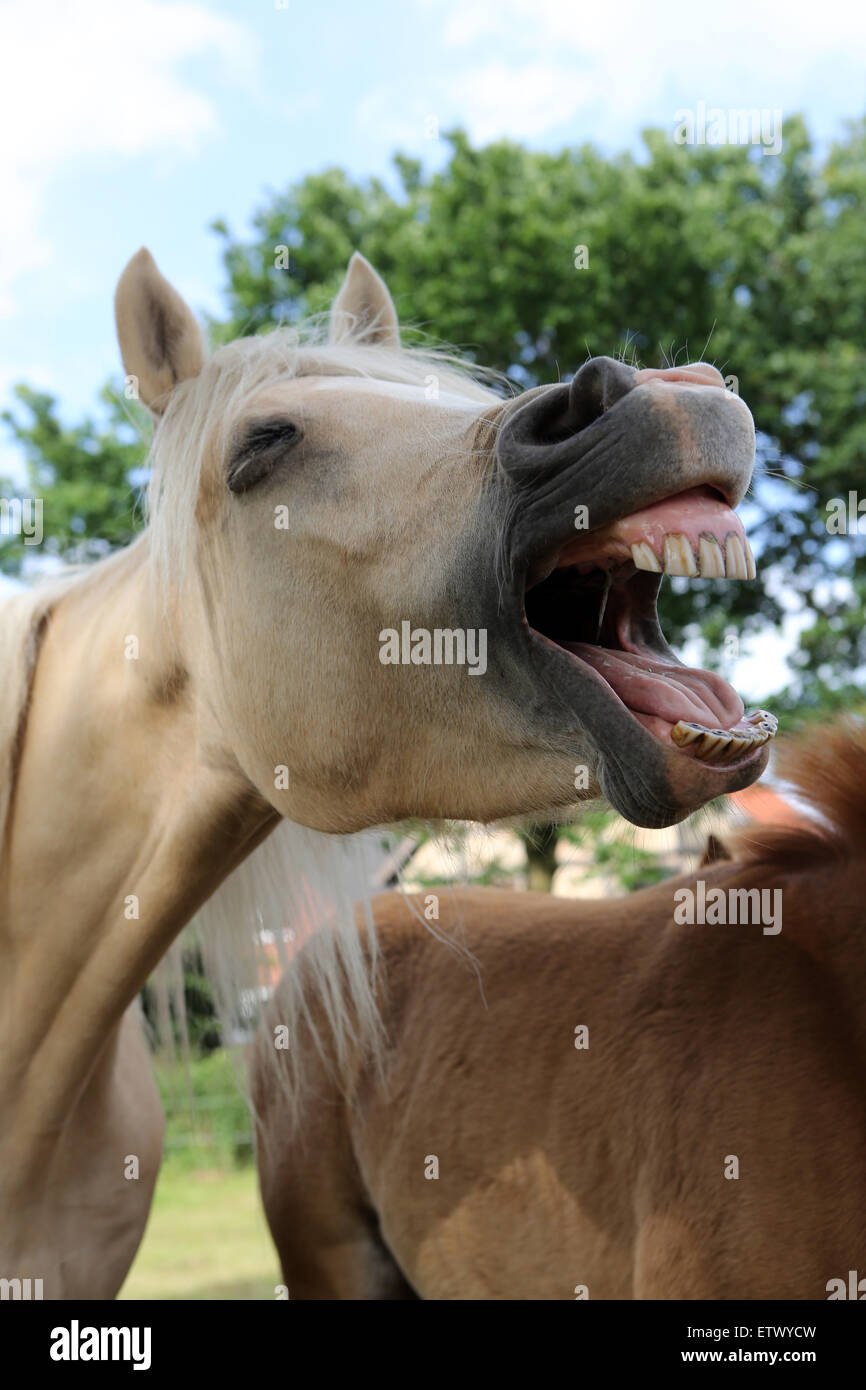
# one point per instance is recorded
(610, 1102)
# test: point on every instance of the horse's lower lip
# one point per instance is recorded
(724, 741)
(648, 780)
(662, 731)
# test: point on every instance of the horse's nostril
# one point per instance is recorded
(599, 384)
(540, 433)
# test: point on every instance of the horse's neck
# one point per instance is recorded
(119, 826)
(823, 919)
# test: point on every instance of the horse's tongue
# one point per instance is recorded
(652, 686)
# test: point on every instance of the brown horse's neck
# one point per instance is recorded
(123, 821)
(823, 920)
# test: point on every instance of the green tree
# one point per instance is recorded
(88, 476)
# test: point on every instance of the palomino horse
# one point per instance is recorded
(629, 1106)
(336, 525)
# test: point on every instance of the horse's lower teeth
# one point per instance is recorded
(726, 745)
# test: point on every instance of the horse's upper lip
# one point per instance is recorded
(655, 440)
(694, 533)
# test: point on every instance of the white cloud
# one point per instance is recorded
(98, 77)
(661, 38)
(499, 99)
(521, 67)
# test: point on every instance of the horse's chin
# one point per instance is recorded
(668, 737)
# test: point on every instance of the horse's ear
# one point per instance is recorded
(160, 341)
(363, 307)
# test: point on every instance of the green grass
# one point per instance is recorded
(206, 1238)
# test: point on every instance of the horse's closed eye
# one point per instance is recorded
(259, 449)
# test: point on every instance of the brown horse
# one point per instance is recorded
(613, 1102)
(357, 599)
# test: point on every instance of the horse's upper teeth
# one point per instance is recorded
(679, 558)
(734, 561)
(711, 558)
(726, 745)
(735, 558)
(645, 557)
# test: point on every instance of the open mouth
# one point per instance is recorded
(594, 599)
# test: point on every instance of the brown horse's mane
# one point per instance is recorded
(827, 771)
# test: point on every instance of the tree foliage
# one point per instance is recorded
(88, 476)
(755, 262)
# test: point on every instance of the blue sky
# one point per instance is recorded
(139, 121)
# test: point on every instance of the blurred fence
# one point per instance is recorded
(207, 1118)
